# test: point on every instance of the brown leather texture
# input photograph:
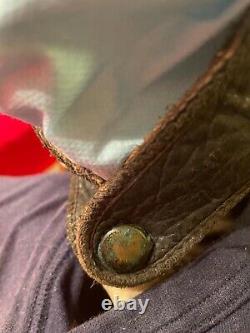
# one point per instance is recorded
(193, 168)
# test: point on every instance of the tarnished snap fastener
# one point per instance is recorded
(125, 248)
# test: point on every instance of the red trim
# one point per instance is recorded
(21, 152)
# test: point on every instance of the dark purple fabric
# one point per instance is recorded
(43, 288)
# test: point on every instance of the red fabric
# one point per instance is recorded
(21, 152)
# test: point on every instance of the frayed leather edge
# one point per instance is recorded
(67, 162)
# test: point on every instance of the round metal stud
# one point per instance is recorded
(125, 248)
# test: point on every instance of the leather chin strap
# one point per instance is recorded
(192, 169)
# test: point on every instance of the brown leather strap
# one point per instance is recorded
(194, 167)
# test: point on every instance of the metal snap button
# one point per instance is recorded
(125, 248)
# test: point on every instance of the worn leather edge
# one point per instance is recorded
(171, 261)
(80, 191)
(73, 167)
(130, 171)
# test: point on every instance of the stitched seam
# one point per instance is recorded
(45, 305)
(199, 326)
(232, 302)
(39, 286)
(205, 299)
(30, 311)
(241, 305)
